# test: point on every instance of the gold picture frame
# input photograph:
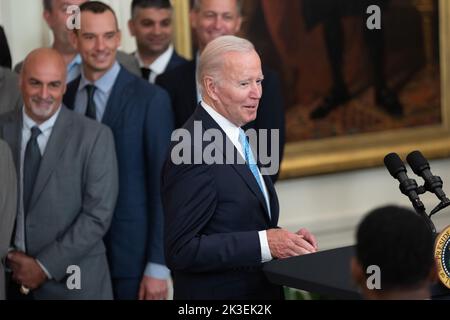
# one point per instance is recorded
(365, 150)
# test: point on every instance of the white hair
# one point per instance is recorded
(212, 58)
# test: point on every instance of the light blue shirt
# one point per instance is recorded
(74, 68)
(101, 96)
(104, 87)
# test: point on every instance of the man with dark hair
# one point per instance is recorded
(151, 24)
(211, 19)
(140, 117)
(56, 15)
(400, 243)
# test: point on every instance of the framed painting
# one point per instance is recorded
(353, 94)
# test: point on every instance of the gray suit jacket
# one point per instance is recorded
(123, 58)
(8, 201)
(72, 203)
(9, 91)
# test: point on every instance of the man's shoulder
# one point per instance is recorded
(8, 76)
(175, 61)
(178, 75)
(137, 86)
(10, 116)
(129, 62)
(82, 124)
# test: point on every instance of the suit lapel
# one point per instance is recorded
(71, 92)
(242, 169)
(55, 148)
(172, 62)
(116, 100)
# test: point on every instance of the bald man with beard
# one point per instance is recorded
(68, 182)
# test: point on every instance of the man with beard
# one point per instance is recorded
(67, 173)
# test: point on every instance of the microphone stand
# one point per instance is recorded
(420, 209)
(409, 188)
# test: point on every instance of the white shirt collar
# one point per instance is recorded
(45, 127)
(231, 130)
(160, 64)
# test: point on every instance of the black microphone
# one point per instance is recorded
(408, 186)
(421, 167)
(433, 183)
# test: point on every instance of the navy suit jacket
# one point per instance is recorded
(181, 85)
(141, 120)
(175, 61)
(213, 215)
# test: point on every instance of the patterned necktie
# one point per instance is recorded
(251, 163)
(145, 73)
(91, 109)
(31, 164)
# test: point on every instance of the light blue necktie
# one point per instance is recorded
(251, 163)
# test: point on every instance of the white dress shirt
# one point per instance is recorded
(232, 132)
(158, 66)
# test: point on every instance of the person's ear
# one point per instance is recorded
(238, 25)
(119, 38)
(73, 38)
(210, 85)
(131, 27)
(47, 17)
(193, 15)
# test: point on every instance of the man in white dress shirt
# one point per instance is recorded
(151, 24)
(221, 217)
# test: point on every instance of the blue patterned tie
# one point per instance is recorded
(251, 163)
